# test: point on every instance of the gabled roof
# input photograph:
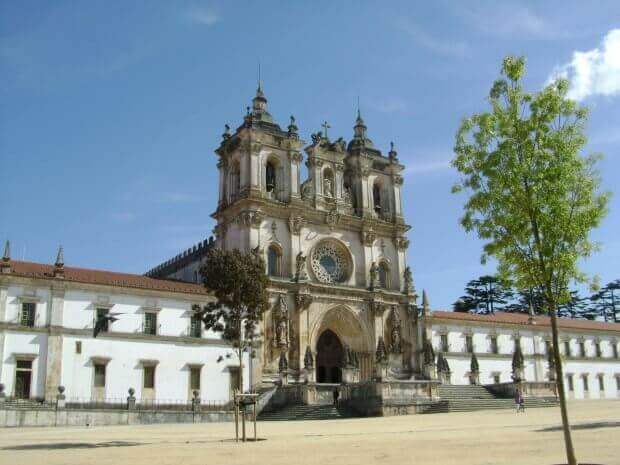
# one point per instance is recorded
(106, 278)
(523, 319)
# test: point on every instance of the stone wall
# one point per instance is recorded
(69, 417)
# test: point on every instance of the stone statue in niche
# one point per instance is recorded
(408, 279)
(307, 190)
(374, 271)
(395, 334)
(346, 195)
(300, 267)
(281, 322)
(328, 188)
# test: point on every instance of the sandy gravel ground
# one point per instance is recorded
(487, 437)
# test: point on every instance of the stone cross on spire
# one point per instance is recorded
(325, 127)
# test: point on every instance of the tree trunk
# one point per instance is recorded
(559, 376)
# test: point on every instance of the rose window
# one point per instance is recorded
(330, 263)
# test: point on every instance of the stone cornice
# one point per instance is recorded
(112, 335)
(434, 320)
(314, 217)
(65, 286)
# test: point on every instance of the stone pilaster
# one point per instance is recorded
(53, 367)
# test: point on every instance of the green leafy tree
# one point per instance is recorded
(239, 283)
(607, 301)
(486, 294)
(534, 197)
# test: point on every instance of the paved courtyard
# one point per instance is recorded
(487, 437)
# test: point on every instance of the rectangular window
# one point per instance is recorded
(195, 328)
(598, 349)
(24, 365)
(494, 346)
(78, 347)
(601, 383)
(571, 384)
(150, 323)
(614, 349)
(149, 377)
(194, 379)
(28, 314)
(101, 313)
(469, 344)
(582, 349)
(567, 348)
(99, 375)
(585, 383)
(618, 382)
(444, 343)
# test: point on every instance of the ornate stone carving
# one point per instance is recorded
(429, 353)
(251, 218)
(368, 237)
(408, 281)
(295, 156)
(307, 189)
(395, 333)
(308, 359)
(302, 301)
(330, 263)
(377, 308)
(347, 197)
(296, 223)
(282, 363)
(401, 242)
(280, 319)
(381, 353)
(374, 271)
(332, 218)
(300, 267)
(328, 188)
(398, 180)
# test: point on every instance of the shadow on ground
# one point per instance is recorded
(601, 424)
(73, 445)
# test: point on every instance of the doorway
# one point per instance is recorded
(329, 358)
(23, 379)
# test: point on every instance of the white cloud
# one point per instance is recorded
(426, 167)
(389, 105)
(593, 72)
(506, 20)
(204, 16)
(434, 44)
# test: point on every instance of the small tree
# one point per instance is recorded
(534, 198)
(239, 283)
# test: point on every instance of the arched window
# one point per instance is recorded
(273, 261)
(270, 177)
(384, 275)
(329, 188)
(376, 197)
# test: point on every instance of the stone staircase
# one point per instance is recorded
(306, 412)
(467, 398)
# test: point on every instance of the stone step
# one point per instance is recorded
(305, 412)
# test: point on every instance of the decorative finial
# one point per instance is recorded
(292, 128)
(59, 266)
(392, 155)
(5, 264)
(425, 305)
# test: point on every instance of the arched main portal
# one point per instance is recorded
(329, 358)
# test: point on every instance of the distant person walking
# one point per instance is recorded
(519, 402)
(336, 395)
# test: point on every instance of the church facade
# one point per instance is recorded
(343, 307)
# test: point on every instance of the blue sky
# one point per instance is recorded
(111, 111)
